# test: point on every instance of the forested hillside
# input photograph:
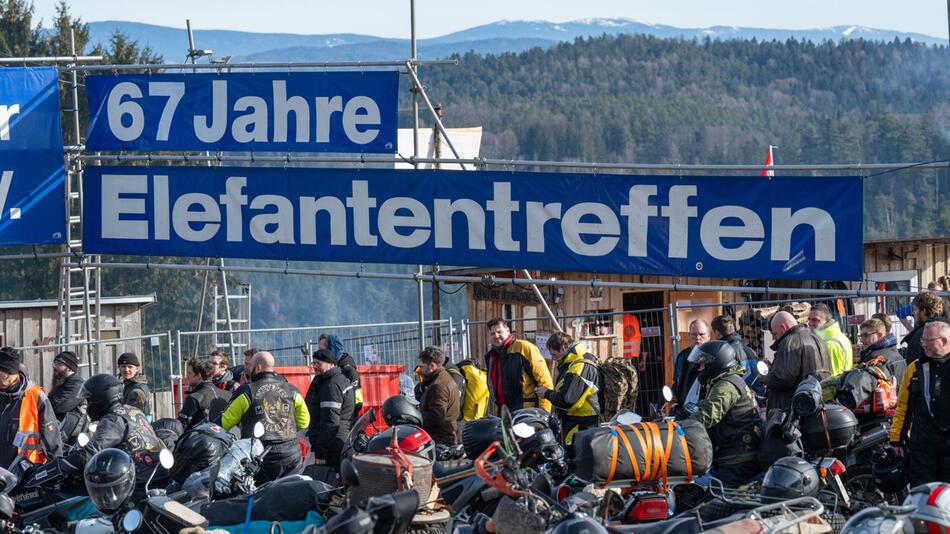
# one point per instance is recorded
(650, 100)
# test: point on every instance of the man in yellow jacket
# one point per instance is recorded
(578, 382)
(921, 426)
(515, 368)
(823, 324)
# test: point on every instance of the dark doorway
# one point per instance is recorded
(652, 357)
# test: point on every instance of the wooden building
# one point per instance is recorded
(596, 316)
(32, 323)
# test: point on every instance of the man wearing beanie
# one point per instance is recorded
(68, 405)
(347, 365)
(330, 400)
(136, 392)
(24, 409)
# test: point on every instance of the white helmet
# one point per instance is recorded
(932, 502)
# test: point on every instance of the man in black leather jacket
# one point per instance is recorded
(205, 403)
(68, 405)
(119, 426)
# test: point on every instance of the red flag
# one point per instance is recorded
(768, 163)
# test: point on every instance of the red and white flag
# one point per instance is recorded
(768, 163)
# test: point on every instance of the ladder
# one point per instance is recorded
(221, 303)
(79, 300)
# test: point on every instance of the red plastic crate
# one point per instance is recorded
(298, 375)
(379, 382)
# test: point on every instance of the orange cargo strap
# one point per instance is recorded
(618, 433)
(689, 463)
(668, 449)
(613, 459)
(659, 462)
(30, 426)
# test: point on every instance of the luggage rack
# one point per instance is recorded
(782, 515)
(647, 484)
(748, 496)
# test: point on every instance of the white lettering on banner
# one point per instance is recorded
(5, 180)
(712, 231)
(7, 113)
(591, 229)
(251, 121)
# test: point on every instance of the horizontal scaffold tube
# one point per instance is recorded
(498, 280)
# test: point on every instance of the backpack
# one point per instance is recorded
(870, 387)
(618, 386)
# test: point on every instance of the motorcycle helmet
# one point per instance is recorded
(399, 410)
(477, 435)
(932, 502)
(540, 448)
(101, 392)
(168, 430)
(790, 478)
(411, 439)
(110, 480)
(537, 418)
(888, 470)
(715, 357)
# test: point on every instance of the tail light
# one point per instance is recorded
(563, 492)
(831, 466)
(653, 508)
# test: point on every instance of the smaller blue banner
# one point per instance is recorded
(32, 174)
(269, 112)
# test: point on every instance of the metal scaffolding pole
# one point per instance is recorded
(49, 59)
(261, 66)
(452, 279)
(411, 66)
(509, 164)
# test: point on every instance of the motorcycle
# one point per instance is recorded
(158, 514)
(233, 474)
(43, 495)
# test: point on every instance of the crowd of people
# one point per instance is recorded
(715, 382)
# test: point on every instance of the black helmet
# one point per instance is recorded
(888, 470)
(399, 410)
(110, 479)
(101, 392)
(789, 478)
(168, 430)
(540, 448)
(538, 418)
(716, 357)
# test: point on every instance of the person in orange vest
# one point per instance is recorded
(29, 432)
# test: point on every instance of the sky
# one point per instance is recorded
(390, 18)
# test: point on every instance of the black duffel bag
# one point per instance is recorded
(286, 499)
(687, 452)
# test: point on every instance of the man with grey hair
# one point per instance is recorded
(269, 399)
(798, 354)
(686, 369)
(822, 322)
(922, 404)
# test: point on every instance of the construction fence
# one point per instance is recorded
(660, 334)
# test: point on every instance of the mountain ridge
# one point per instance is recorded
(493, 38)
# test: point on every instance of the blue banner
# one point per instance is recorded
(745, 227)
(267, 111)
(32, 174)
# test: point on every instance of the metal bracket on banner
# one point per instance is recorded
(489, 280)
(286, 266)
(148, 263)
(360, 272)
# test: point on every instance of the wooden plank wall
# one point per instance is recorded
(930, 259)
(37, 326)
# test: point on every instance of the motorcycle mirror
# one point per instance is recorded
(762, 368)
(166, 458)
(132, 520)
(258, 429)
(523, 430)
(628, 418)
(667, 393)
(349, 474)
(82, 439)
(92, 427)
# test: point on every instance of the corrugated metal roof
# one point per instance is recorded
(144, 300)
